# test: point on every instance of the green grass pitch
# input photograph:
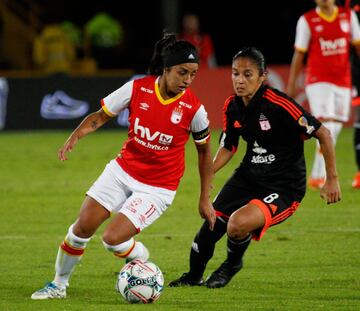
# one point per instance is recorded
(309, 262)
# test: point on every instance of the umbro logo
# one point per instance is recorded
(144, 106)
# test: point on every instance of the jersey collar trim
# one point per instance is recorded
(328, 18)
(162, 100)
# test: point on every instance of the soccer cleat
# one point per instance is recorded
(223, 275)
(356, 182)
(50, 291)
(316, 183)
(186, 280)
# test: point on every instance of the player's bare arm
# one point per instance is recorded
(222, 157)
(206, 209)
(90, 124)
(331, 191)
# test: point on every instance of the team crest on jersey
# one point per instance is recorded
(176, 115)
(344, 25)
(319, 28)
(264, 122)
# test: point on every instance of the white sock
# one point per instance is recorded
(318, 169)
(69, 254)
(130, 249)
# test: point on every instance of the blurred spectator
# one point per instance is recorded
(191, 31)
(104, 36)
(52, 51)
(322, 42)
(75, 36)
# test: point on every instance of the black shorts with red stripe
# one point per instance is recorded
(276, 204)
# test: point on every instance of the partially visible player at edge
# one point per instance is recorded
(270, 182)
(324, 34)
(140, 184)
(355, 69)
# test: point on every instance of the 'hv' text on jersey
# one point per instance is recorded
(148, 139)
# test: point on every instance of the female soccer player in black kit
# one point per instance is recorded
(270, 182)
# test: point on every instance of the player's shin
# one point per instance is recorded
(203, 247)
(236, 250)
(69, 254)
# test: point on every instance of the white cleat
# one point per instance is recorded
(50, 291)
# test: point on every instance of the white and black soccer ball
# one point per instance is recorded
(140, 282)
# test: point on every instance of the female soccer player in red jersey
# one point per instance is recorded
(270, 182)
(324, 34)
(140, 183)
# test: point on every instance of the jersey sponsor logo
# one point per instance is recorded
(261, 158)
(264, 122)
(144, 106)
(146, 90)
(176, 115)
(333, 47)
(185, 104)
(304, 122)
(145, 133)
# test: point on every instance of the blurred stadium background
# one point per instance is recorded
(311, 262)
(92, 65)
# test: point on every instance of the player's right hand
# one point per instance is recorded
(67, 147)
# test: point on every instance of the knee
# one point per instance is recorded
(237, 229)
(109, 239)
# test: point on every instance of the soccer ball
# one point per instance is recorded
(140, 282)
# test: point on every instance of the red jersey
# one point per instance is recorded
(158, 131)
(327, 42)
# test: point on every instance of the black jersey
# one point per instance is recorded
(274, 127)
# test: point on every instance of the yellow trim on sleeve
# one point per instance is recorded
(107, 111)
(302, 50)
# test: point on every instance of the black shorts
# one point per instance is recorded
(276, 204)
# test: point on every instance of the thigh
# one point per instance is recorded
(109, 190)
(92, 215)
(321, 98)
(234, 194)
(276, 207)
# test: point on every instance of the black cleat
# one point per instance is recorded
(223, 275)
(186, 280)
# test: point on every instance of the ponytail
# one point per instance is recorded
(169, 52)
(157, 63)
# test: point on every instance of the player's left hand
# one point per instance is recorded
(331, 191)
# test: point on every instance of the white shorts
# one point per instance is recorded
(119, 192)
(329, 101)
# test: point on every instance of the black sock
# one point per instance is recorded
(203, 247)
(236, 250)
(357, 144)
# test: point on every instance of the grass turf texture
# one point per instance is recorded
(309, 262)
